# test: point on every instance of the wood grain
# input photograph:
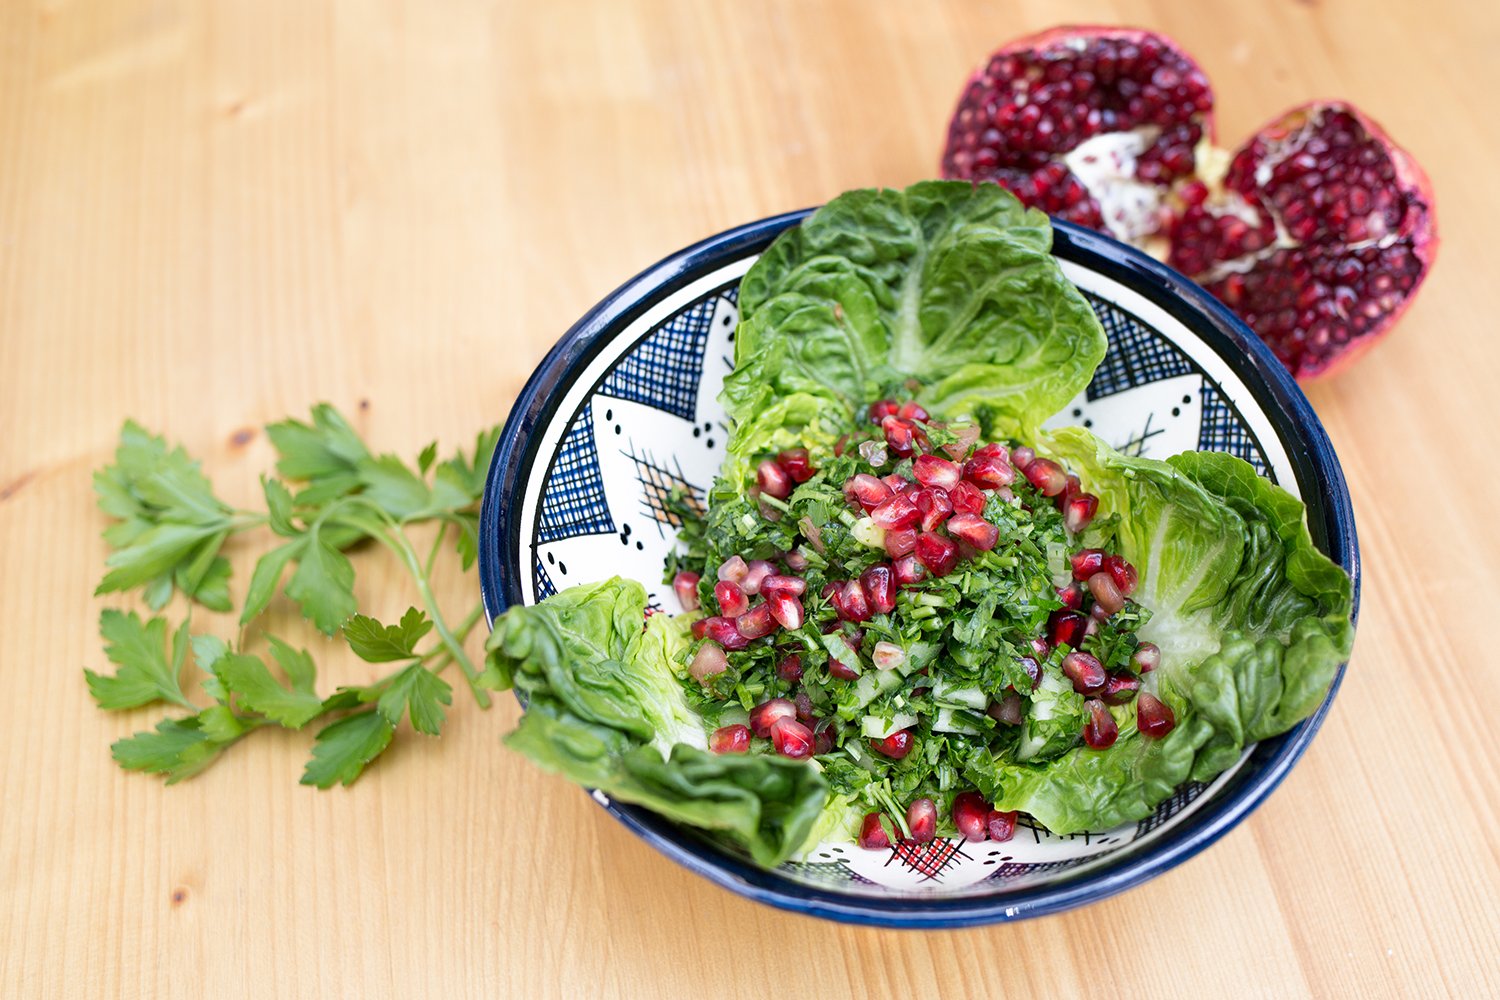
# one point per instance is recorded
(214, 214)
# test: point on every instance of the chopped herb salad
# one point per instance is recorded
(909, 611)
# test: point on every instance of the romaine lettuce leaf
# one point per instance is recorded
(605, 709)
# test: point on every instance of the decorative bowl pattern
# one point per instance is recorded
(625, 409)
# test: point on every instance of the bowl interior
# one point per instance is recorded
(626, 411)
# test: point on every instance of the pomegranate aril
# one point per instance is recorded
(1107, 596)
(966, 498)
(911, 410)
(1040, 646)
(1120, 688)
(773, 480)
(850, 603)
(1071, 596)
(1001, 825)
(879, 586)
(790, 670)
(730, 739)
(700, 628)
(1073, 488)
(1047, 476)
(1087, 562)
(867, 491)
(685, 585)
(971, 815)
(797, 464)
(823, 737)
(898, 483)
(768, 713)
(1078, 513)
(975, 530)
(873, 452)
(1066, 628)
(900, 435)
(934, 506)
(1085, 671)
(1030, 664)
(883, 408)
(930, 470)
(734, 569)
(1146, 658)
(756, 623)
(796, 561)
(724, 631)
(1021, 458)
(895, 746)
(842, 670)
(989, 472)
(755, 577)
(792, 739)
(708, 661)
(786, 610)
(872, 833)
(887, 656)
(900, 541)
(1007, 710)
(804, 705)
(731, 599)
(1099, 729)
(938, 554)
(921, 820)
(794, 585)
(909, 569)
(1123, 573)
(1153, 717)
(895, 513)
(967, 434)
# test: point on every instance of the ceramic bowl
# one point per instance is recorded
(624, 409)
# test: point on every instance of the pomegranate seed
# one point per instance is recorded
(1153, 717)
(898, 483)
(913, 411)
(700, 628)
(993, 449)
(930, 470)
(921, 820)
(755, 576)
(896, 513)
(1085, 671)
(1072, 489)
(873, 452)
(1029, 663)
(888, 656)
(842, 670)
(1123, 573)
(686, 586)
(795, 561)
(1087, 562)
(1007, 710)
(967, 434)
(1002, 825)
(1022, 458)
(1146, 658)
(882, 409)
(867, 491)
(1040, 646)
(794, 585)
(756, 622)
(1091, 625)
(792, 739)
(1071, 596)
(934, 506)
(790, 670)
(786, 610)
(937, 553)
(731, 598)
(879, 585)
(1047, 476)
(966, 498)
(908, 569)
(1079, 513)
(1120, 688)
(989, 472)
(975, 530)
(840, 445)
(823, 737)
(725, 633)
(1065, 628)
(804, 705)
(971, 815)
(768, 713)
(895, 746)
(872, 833)
(708, 661)
(850, 603)
(901, 541)
(734, 569)
(1099, 730)
(797, 464)
(1106, 593)
(730, 739)
(900, 435)
(773, 480)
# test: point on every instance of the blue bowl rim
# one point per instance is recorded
(1330, 519)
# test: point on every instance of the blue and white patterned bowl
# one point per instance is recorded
(625, 408)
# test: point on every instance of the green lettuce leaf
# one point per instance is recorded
(606, 709)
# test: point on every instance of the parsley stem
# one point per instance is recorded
(436, 543)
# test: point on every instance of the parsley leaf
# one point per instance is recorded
(139, 650)
(248, 678)
(422, 694)
(377, 643)
(323, 584)
(345, 747)
(326, 454)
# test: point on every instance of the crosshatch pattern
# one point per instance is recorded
(664, 370)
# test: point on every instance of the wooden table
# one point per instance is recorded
(216, 214)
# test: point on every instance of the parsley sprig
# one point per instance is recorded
(332, 494)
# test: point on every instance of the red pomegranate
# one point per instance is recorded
(1317, 233)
